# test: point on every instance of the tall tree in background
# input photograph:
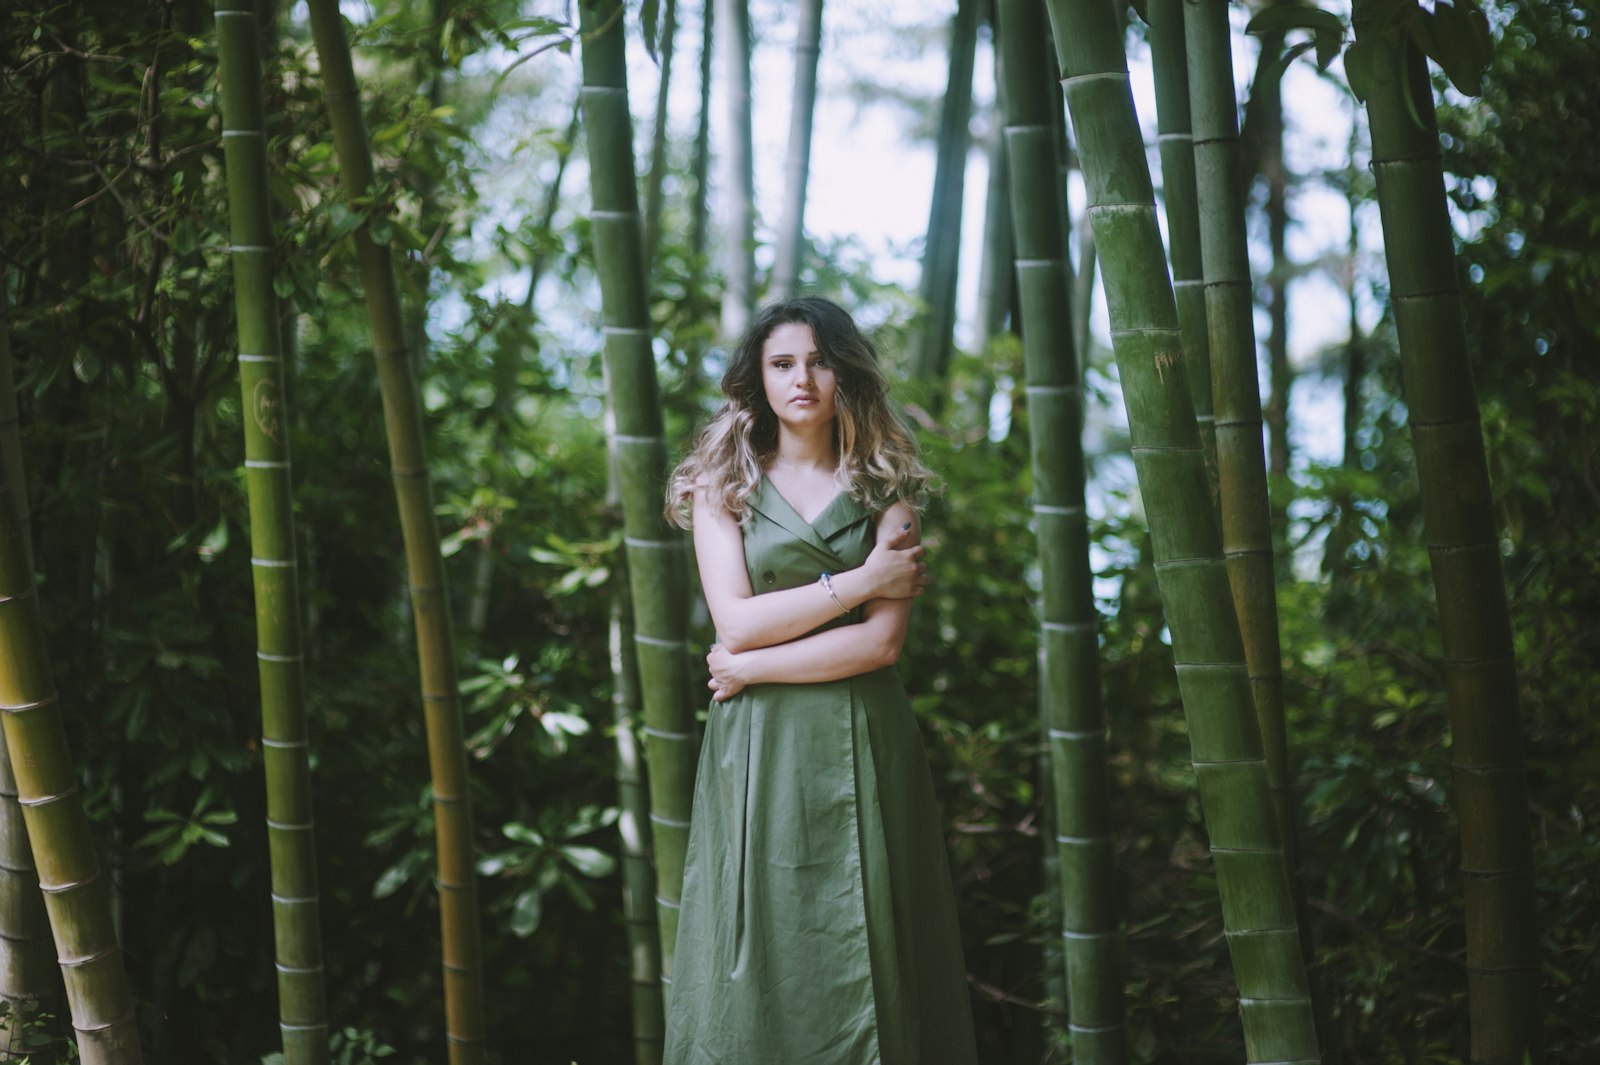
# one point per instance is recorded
(27, 963)
(1388, 71)
(1069, 653)
(700, 161)
(1252, 876)
(738, 168)
(1241, 467)
(658, 139)
(285, 740)
(797, 159)
(76, 895)
(657, 573)
(941, 251)
(430, 605)
(1175, 138)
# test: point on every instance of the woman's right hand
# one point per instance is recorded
(896, 572)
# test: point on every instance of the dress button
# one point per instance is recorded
(769, 576)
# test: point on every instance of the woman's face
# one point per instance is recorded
(799, 382)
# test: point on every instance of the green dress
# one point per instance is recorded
(818, 923)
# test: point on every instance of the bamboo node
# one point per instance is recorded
(1083, 841)
(249, 249)
(46, 800)
(1077, 734)
(272, 563)
(285, 744)
(657, 641)
(439, 697)
(268, 656)
(266, 464)
(632, 438)
(297, 970)
(86, 959)
(294, 900)
(320, 1026)
(17, 596)
(126, 1018)
(288, 826)
(23, 708)
(1094, 1028)
(670, 822)
(668, 903)
(241, 132)
(663, 734)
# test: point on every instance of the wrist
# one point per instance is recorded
(749, 666)
(852, 588)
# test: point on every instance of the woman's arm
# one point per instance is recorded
(847, 651)
(746, 621)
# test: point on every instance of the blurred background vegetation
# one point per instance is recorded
(118, 303)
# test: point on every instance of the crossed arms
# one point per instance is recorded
(763, 636)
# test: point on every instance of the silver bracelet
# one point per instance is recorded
(826, 580)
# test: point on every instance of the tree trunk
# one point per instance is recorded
(657, 570)
(633, 802)
(285, 742)
(797, 160)
(27, 960)
(1252, 876)
(402, 409)
(1247, 533)
(700, 165)
(738, 170)
(1175, 138)
(1491, 789)
(77, 896)
(658, 140)
(941, 252)
(997, 282)
(1069, 657)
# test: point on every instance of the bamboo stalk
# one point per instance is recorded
(27, 966)
(402, 411)
(1252, 876)
(1490, 781)
(738, 169)
(797, 159)
(658, 139)
(633, 802)
(657, 573)
(941, 251)
(1069, 656)
(285, 746)
(1175, 139)
(76, 895)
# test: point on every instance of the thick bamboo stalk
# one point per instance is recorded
(27, 968)
(941, 251)
(1069, 656)
(402, 412)
(657, 570)
(797, 159)
(285, 742)
(1490, 784)
(1252, 876)
(1175, 139)
(633, 802)
(658, 139)
(1230, 309)
(738, 169)
(76, 895)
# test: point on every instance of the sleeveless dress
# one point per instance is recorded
(818, 923)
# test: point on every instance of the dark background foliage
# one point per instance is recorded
(117, 292)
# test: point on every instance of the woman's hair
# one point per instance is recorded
(878, 461)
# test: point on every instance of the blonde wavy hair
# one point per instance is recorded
(878, 462)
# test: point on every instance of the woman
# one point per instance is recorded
(818, 924)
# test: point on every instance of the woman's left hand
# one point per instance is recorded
(727, 674)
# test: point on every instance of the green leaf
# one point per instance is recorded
(1456, 36)
(518, 832)
(526, 912)
(1280, 18)
(590, 861)
(1360, 68)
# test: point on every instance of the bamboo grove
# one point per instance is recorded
(1249, 746)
